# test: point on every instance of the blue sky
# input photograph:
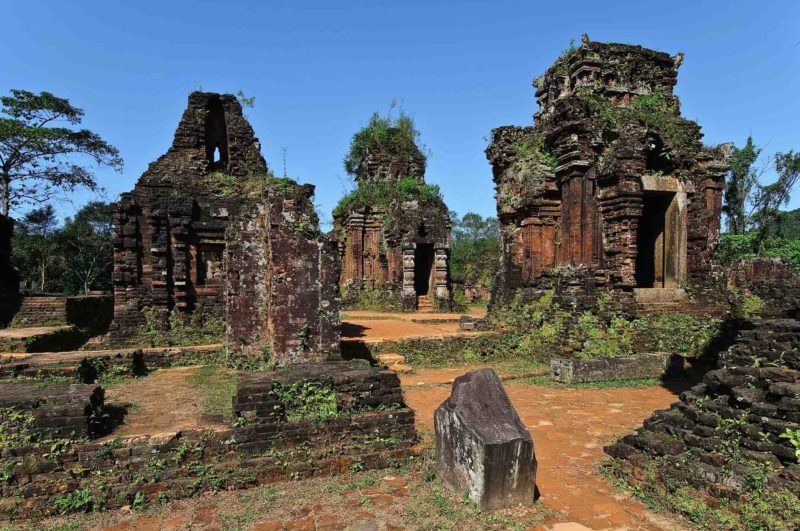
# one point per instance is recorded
(318, 70)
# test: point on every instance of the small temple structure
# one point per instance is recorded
(611, 183)
(399, 244)
(208, 232)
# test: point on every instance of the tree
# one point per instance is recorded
(769, 198)
(39, 156)
(88, 240)
(741, 180)
(37, 249)
(475, 249)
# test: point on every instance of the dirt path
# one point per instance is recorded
(164, 401)
(569, 429)
(371, 326)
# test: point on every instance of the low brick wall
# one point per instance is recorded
(366, 425)
(56, 410)
(736, 415)
(647, 365)
(41, 309)
(355, 384)
(187, 463)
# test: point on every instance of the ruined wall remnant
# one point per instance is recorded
(9, 279)
(731, 420)
(610, 177)
(397, 239)
(208, 231)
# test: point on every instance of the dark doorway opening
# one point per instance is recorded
(423, 263)
(653, 241)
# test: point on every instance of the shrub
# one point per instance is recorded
(77, 501)
(735, 247)
(396, 135)
(385, 194)
(306, 400)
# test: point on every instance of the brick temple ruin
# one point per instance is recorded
(402, 248)
(207, 231)
(610, 186)
(9, 279)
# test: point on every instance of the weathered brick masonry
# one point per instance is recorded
(9, 280)
(735, 415)
(207, 230)
(610, 179)
(189, 462)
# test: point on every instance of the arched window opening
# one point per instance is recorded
(216, 135)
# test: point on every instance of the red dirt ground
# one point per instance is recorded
(569, 428)
(156, 411)
(380, 326)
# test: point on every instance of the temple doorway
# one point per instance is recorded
(423, 264)
(657, 241)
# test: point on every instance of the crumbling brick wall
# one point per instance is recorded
(582, 185)
(388, 247)
(9, 279)
(733, 418)
(282, 281)
(171, 227)
(208, 230)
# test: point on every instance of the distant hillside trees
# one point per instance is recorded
(474, 250)
(73, 258)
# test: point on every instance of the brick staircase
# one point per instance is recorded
(42, 310)
(424, 304)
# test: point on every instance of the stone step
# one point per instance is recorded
(396, 362)
(659, 295)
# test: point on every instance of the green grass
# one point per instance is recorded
(627, 383)
(755, 508)
(217, 386)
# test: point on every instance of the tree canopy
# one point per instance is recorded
(474, 250)
(72, 258)
(40, 151)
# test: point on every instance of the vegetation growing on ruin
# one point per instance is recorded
(178, 329)
(377, 300)
(398, 136)
(536, 331)
(753, 506)
(533, 165)
(306, 400)
(386, 195)
(657, 112)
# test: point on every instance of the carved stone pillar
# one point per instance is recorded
(440, 275)
(409, 293)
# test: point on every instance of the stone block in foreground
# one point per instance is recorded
(604, 369)
(482, 447)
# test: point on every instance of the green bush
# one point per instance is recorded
(385, 194)
(306, 400)
(735, 247)
(79, 501)
(376, 300)
(383, 133)
(179, 329)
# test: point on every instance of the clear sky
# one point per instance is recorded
(319, 69)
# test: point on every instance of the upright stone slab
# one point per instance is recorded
(482, 447)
